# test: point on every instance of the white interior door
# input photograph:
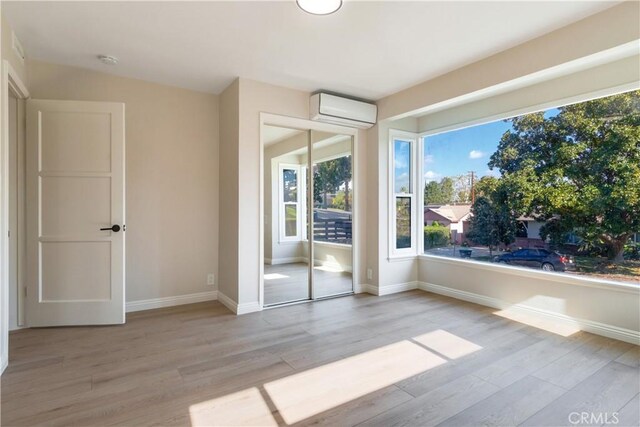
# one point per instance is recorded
(75, 190)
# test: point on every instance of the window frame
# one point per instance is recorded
(300, 203)
(560, 277)
(413, 194)
(420, 255)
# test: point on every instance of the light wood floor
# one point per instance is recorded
(411, 359)
(290, 282)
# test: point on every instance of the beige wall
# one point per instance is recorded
(9, 54)
(620, 74)
(171, 175)
(614, 311)
(240, 274)
(386, 272)
(228, 177)
(500, 79)
(256, 97)
(611, 28)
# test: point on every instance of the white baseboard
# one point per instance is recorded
(249, 307)
(391, 289)
(290, 260)
(150, 304)
(597, 328)
(228, 302)
(236, 308)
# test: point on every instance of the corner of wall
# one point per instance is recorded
(229, 114)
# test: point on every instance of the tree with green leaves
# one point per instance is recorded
(578, 171)
(439, 193)
(329, 176)
(492, 223)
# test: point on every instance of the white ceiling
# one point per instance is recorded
(367, 49)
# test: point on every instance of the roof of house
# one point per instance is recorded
(453, 213)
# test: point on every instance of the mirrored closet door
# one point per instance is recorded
(308, 215)
(332, 248)
(286, 242)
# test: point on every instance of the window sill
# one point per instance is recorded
(543, 275)
(291, 242)
(401, 258)
(332, 245)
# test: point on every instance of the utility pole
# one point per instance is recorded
(473, 186)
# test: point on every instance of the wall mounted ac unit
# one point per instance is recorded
(337, 110)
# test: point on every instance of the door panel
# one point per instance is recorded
(76, 141)
(286, 246)
(64, 264)
(62, 195)
(75, 187)
(332, 164)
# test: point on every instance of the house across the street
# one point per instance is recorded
(455, 217)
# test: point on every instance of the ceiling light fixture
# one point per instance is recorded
(319, 7)
(108, 59)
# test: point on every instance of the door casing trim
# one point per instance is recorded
(10, 81)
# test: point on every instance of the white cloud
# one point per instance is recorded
(431, 176)
(476, 154)
(428, 158)
(492, 172)
(400, 163)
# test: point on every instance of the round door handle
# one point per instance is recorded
(115, 228)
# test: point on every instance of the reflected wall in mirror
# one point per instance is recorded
(332, 195)
(286, 244)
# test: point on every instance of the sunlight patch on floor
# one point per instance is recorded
(447, 344)
(548, 325)
(275, 276)
(244, 408)
(309, 393)
(329, 268)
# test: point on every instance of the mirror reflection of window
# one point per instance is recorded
(308, 214)
(290, 200)
(286, 247)
(333, 228)
(333, 200)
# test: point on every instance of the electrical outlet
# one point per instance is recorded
(369, 274)
(211, 279)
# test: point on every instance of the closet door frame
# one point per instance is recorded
(268, 119)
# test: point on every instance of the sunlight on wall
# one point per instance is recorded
(447, 344)
(559, 328)
(246, 407)
(314, 391)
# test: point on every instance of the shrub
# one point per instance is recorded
(436, 235)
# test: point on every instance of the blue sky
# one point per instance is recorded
(455, 153)
(458, 152)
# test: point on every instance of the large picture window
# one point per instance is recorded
(403, 203)
(557, 190)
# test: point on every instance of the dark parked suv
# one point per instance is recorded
(537, 258)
